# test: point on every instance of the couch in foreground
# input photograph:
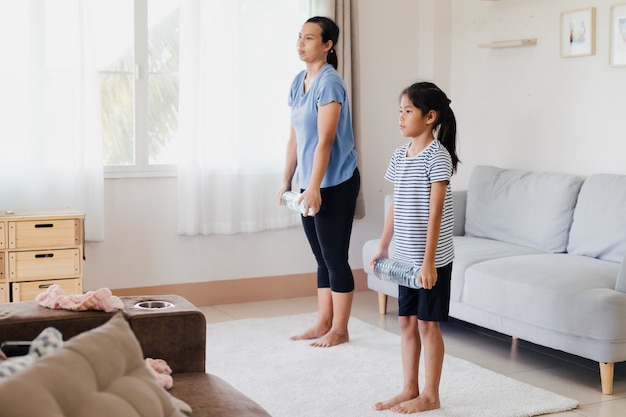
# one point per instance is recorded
(100, 370)
(539, 256)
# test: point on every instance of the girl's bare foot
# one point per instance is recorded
(332, 338)
(416, 405)
(392, 402)
(315, 332)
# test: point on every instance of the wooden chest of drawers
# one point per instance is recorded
(39, 248)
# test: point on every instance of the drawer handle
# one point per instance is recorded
(37, 226)
(44, 286)
(44, 255)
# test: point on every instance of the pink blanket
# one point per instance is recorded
(161, 371)
(56, 299)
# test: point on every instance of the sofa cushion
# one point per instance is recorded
(472, 250)
(599, 226)
(565, 293)
(521, 207)
(620, 285)
(99, 373)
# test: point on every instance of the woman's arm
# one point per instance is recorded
(327, 122)
(291, 162)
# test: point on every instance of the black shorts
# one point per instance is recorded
(427, 305)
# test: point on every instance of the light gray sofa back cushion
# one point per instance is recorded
(599, 227)
(527, 208)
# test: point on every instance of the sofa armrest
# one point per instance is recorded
(176, 334)
(388, 201)
(620, 284)
(459, 201)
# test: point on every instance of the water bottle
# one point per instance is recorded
(290, 199)
(399, 272)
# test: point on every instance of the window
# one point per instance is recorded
(137, 54)
(137, 45)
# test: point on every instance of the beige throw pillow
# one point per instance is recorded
(97, 373)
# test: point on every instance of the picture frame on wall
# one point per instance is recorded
(578, 32)
(617, 51)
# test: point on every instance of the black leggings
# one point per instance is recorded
(329, 233)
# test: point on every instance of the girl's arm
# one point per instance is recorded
(428, 273)
(385, 237)
(327, 122)
(291, 162)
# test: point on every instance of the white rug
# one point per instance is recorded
(293, 379)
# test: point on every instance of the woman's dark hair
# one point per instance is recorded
(330, 32)
(426, 97)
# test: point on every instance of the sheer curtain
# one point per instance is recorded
(50, 145)
(343, 12)
(237, 62)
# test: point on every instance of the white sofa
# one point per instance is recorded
(539, 256)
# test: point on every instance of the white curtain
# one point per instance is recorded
(237, 62)
(50, 141)
(343, 12)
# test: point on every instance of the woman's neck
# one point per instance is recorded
(313, 68)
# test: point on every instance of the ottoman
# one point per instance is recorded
(168, 327)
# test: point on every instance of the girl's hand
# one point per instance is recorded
(428, 276)
(313, 199)
(382, 253)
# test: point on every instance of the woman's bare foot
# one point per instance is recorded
(332, 338)
(315, 332)
(392, 402)
(416, 405)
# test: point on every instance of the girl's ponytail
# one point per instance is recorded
(447, 133)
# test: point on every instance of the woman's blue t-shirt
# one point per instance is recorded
(326, 88)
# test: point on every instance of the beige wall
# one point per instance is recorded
(527, 107)
(517, 107)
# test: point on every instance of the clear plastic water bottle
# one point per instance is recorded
(399, 272)
(290, 199)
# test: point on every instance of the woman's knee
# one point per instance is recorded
(343, 283)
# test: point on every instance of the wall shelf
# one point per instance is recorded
(510, 44)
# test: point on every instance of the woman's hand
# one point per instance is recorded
(313, 200)
(282, 190)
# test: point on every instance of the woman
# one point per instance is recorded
(321, 155)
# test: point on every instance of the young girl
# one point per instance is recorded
(421, 220)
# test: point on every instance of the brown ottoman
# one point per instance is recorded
(24, 320)
(176, 333)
